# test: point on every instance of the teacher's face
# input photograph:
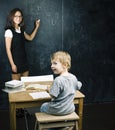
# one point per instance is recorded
(17, 17)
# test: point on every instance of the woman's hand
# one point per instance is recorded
(37, 23)
(31, 36)
(14, 68)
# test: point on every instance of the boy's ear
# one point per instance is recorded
(65, 65)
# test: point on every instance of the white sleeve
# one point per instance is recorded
(8, 33)
(79, 85)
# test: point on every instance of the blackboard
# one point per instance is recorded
(49, 38)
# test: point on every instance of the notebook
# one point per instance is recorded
(36, 95)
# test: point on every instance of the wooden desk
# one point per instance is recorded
(24, 100)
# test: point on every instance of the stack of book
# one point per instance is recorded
(13, 86)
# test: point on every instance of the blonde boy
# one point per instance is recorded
(64, 86)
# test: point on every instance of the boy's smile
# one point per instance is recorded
(57, 67)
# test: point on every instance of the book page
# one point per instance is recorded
(37, 78)
(36, 87)
(36, 95)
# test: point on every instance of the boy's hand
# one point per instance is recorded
(48, 88)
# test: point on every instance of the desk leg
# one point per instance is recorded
(80, 113)
(12, 116)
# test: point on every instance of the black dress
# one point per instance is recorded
(19, 52)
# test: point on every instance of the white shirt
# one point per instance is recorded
(8, 33)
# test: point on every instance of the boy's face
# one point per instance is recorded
(57, 67)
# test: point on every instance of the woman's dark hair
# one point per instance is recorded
(10, 17)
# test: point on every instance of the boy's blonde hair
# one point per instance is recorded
(63, 57)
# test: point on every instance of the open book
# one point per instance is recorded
(37, 82)
(36, 87)
(36, 95)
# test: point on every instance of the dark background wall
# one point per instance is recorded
(86, 29)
